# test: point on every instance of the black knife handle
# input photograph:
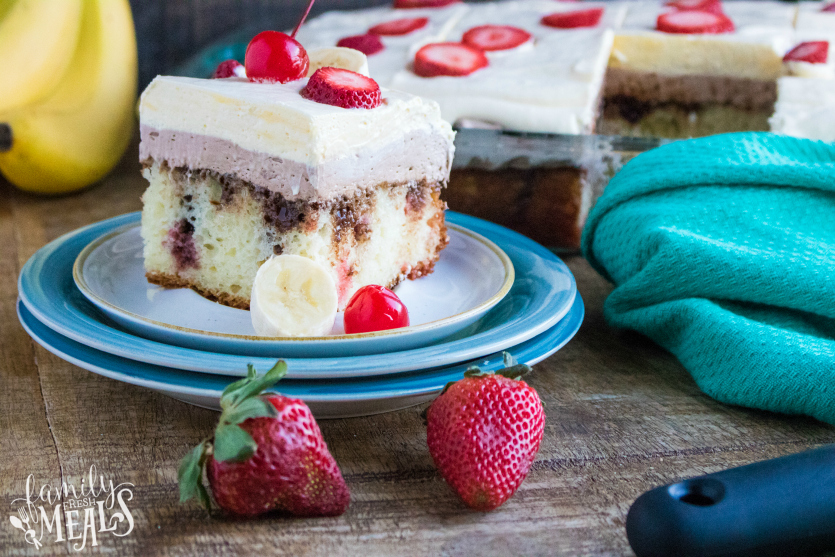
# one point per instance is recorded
(775, 507)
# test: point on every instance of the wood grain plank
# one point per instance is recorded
(26, 443)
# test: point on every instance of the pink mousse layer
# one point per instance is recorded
(416, 156)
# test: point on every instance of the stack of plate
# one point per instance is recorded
(84, 297)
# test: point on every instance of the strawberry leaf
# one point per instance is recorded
(249, 408)
(233, 443)
(190, 475)
(515, 372)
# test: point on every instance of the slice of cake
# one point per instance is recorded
(690, 73)
(240, 171)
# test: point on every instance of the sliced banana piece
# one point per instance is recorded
(337, 57)
(293, 296)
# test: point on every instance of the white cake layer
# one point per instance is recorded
(805, 108)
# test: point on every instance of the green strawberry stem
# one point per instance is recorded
(239, 401)
(512, 370)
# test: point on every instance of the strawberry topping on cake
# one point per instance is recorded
(712, 6)
(342, 88)
(694, 22)
(813, 52)
(229, 68)
(368, 44)
(409, 4)
(572, 20)
(399, 26)
(455, 59)
(495, 37)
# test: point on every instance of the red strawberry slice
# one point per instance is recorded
(399, 26)
(409, 4)
(573, 20)
(342, 88)
(829, 8)
(814, 52)
(368, 44)
(229, 68)
(454, 59)
(495, 37)
(694, 22)
(712, 6)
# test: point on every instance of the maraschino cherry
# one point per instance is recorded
(274, 57)
(374, 308)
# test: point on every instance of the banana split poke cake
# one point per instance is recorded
(239, 171)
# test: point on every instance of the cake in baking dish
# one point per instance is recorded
(669, 68)
(240, 171)
(663, 68)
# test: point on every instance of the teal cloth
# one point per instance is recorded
(721, 250)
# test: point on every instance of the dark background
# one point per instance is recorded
(170, 31)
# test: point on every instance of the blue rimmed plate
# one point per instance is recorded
(327, 398)
(536, 302)
(471, 277)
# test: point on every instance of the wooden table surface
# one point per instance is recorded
(623, 416)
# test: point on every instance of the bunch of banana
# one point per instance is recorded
(68, 91)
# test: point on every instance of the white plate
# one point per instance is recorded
(472, 276)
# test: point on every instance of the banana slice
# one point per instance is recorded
(293, 296)
(337, 57)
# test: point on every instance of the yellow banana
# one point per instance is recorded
(37, 41)
(79, 132)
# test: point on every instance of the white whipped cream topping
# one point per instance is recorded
(818, 70)
(549, 84)
(811, 18)
(276, 120)
(748, 15)
(805, 108)
(764, 32)
(327, 29)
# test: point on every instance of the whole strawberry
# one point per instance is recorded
(268, 455)
(483, 433)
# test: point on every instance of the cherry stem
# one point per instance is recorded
(298, 26)
(5, 138)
